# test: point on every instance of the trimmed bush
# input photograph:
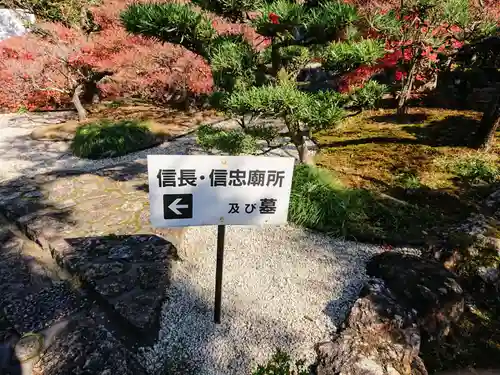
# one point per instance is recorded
(106, 139)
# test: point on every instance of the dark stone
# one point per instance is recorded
(138, 307)
(407, 296)
(143, 278)
(86, 348)
(102, 270)
(423, 285)
(379, 337)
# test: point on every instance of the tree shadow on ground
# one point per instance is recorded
(417, 216)
(22, 277)
(455, 131)
(362, 141)
(411, 118)
(126, 276)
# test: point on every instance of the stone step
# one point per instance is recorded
(46, 326)
(96, 226)
(32, 297)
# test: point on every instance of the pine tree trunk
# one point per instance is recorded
(275, 59)
(82, 113)
(299, 141)
(490, 123)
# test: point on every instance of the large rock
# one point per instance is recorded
(379, 337)
(13, 22)
(406, 297)
(424, 286)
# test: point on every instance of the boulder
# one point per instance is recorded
(13, 22)
(379, 337)
(408, 297)
(422, 285)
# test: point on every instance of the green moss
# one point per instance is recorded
(105, 139)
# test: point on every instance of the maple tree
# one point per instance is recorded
(57, 66)
(424, 35)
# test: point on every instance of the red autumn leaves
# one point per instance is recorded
(274, 18)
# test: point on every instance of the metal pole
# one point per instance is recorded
(221, 232)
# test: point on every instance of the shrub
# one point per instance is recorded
(369, 95)
(105, 139)
(476, 169)
(320, 202)
(343, 56)
(281, 364)
(231, 141)
(409, 180)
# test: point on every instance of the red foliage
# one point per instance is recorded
(40, 72)
(274, 18)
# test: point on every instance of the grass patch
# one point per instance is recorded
(318, 201)
(105, 139)
(281, 364)
(408, 180)
(479, 168)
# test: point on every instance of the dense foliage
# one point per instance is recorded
(247, 43)
(251, 83)
(42, 70)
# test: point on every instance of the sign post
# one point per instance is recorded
(195, 190)
(221, 233)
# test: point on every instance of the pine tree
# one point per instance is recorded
(252, 85)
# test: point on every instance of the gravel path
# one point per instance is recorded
(282, 287)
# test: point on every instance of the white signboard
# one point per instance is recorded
(196, 190)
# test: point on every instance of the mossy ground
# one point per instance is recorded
(404, 165)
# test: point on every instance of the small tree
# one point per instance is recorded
(424, 35)
(252, 84)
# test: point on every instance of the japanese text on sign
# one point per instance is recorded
(221, 177)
